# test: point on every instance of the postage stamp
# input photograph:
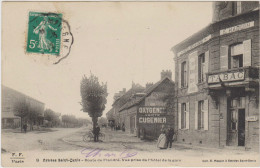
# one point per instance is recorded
(44, 33)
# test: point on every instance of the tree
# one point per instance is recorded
(21, 109)
(51, 117)
(33, 113)
(93, 97)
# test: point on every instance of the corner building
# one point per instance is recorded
(217, 80)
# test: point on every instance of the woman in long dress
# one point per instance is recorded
(162, 141)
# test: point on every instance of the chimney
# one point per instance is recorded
(148, 85)
(166, 73)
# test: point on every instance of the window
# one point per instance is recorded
(235, 104)
(201, 114)
(236, 56)
(234, 118)
(201, 68)
(184, 74)
(184, 116)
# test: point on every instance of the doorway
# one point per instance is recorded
(241, 127)
(236, 122)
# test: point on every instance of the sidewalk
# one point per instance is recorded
(118, 141)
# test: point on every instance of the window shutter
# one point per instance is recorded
(187, 116)
(224, 57)
(179, 115)
(196, 115)
(179, 80)
(206, 70)
(206, 114)
(196, 68)
(247, 53)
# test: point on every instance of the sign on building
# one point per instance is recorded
(151, 115)
(227, 77)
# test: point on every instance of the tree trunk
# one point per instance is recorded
(94, 120)
(21, 124)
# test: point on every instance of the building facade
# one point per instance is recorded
(9, 98)
(217, 79)
(147, 112)
(122, 98)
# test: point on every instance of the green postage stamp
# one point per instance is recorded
(44, 33)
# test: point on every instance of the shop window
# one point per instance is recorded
(201, 114)
(184, 74)
(236, 56)
(201, 68)
(236, 103)
(233, 119)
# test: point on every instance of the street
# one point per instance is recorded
(65, 146)
(71, 139)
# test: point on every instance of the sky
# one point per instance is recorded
(119, 42)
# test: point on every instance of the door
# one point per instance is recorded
(132, 124)
(236, 122)
(241, 127)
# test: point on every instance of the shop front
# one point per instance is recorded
(235, 93)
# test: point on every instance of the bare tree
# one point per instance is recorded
(93, 97)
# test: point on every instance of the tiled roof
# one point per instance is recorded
(125, 98)
(147, 92)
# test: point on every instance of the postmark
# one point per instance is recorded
(48, 35)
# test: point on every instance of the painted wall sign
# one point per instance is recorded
(151, 115)
(251, 118)
(237, 28)
(194, 45)
(226, 77)
(152, 120)
(151, 110)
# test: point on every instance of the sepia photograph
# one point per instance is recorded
(130, 84)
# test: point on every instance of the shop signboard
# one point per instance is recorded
(152, 115)
(226, 77)
(251, 118)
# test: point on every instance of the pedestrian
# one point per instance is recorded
(25, 127)
(163, 128)
(123, 127)
(170, 134)
(162, 141)
(96, 132)
(111, 125)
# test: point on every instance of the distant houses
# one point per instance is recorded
(9, 98)
(145, 111)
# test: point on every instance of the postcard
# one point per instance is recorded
(120, 84)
